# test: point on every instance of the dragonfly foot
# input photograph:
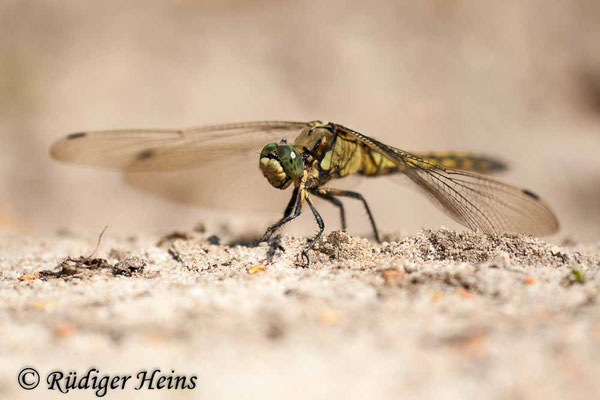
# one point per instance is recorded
(274, 247)
(305, 261)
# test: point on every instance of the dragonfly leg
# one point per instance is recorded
(324, 194)
(317, 236)
(358, 196)
(297, 202)
(291, 204)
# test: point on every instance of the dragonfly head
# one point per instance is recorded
(281, 164)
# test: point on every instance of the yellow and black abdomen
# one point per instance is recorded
(375, 164)
(465, 161)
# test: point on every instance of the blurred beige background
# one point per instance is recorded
(519, 80)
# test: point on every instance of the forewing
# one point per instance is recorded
(230, 184)
(473, 200)
(214, 166)
(160, 150)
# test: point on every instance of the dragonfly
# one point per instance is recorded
(308, 157)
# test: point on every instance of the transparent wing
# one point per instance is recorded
(214, 166)
(160, 150)
(473, 200)
(229, 184)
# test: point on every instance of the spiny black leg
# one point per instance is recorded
(317, 236)
(285, 220)
(291, 204)
(358, 196)
(336, 202)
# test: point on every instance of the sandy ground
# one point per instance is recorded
(437, 315)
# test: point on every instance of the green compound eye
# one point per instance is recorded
(291, 161)
(268, 149)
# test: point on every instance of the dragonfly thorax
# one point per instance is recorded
(281, 164)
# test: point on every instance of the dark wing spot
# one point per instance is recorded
(76, 135)
(145, 154)
(531, 194)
